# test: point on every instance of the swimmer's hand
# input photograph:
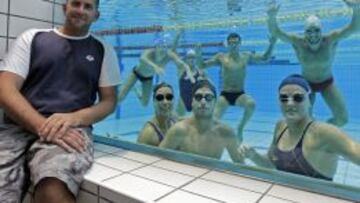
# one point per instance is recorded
(159, 71)
(246, 151)
(273, 9)
(355, 4)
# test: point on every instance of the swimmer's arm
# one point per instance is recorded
(232, 146)
(176, 40)
(181, 64)
(146, 136)
(146, 59)
(257, 58)
(274, 28)
(260, 159)
(349, 29)
(213, 61)
(198, 55)
(173, 138)
(338, 142)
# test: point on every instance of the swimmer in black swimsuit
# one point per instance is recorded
(233, 72)
(152, 61)
(192, 57)
(300, 144)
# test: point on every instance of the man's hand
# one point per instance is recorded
(246, 151)
(159, 71)
(57, 125)
(72, 141)
(273, 9)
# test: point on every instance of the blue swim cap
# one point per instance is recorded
(295, 79)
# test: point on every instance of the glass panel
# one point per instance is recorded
(249, 102)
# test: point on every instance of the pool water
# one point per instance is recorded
(209, 22)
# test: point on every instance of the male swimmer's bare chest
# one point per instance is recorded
(233, 72)
(207, 143)
(316, 62)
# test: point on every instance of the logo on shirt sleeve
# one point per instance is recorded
(90, 58)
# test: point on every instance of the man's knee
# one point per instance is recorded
(52, 190)
(250, 104)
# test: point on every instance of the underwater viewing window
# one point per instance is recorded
(267, 89)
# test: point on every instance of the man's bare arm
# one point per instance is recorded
(258, 58)
(173, 138)
(274, 27)
(15, 105)
(352, 27)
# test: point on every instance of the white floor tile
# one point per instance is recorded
(118, 163)
(238, 181)
(163, 176)
(144, 158)
(132, 187)
(184, 197)
(181, 168)
(270, 199)
(222, 192)
(96, 175)
(84, 197)
(106, 148)
(302, 196)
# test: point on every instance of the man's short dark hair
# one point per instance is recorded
(160, 85)
(97, 2)
(233, 35)
(203, 83)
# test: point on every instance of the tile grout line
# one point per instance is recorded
(7, 27)
(237, 187)
(181, 186)
(265, 193)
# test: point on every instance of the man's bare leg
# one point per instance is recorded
(54, 191)
(248, 103)
(336, 103)
(124, 91)
(220, 107)
(146, 87)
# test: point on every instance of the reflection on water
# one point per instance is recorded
(247, 73)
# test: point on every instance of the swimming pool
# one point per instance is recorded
(131, 27)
